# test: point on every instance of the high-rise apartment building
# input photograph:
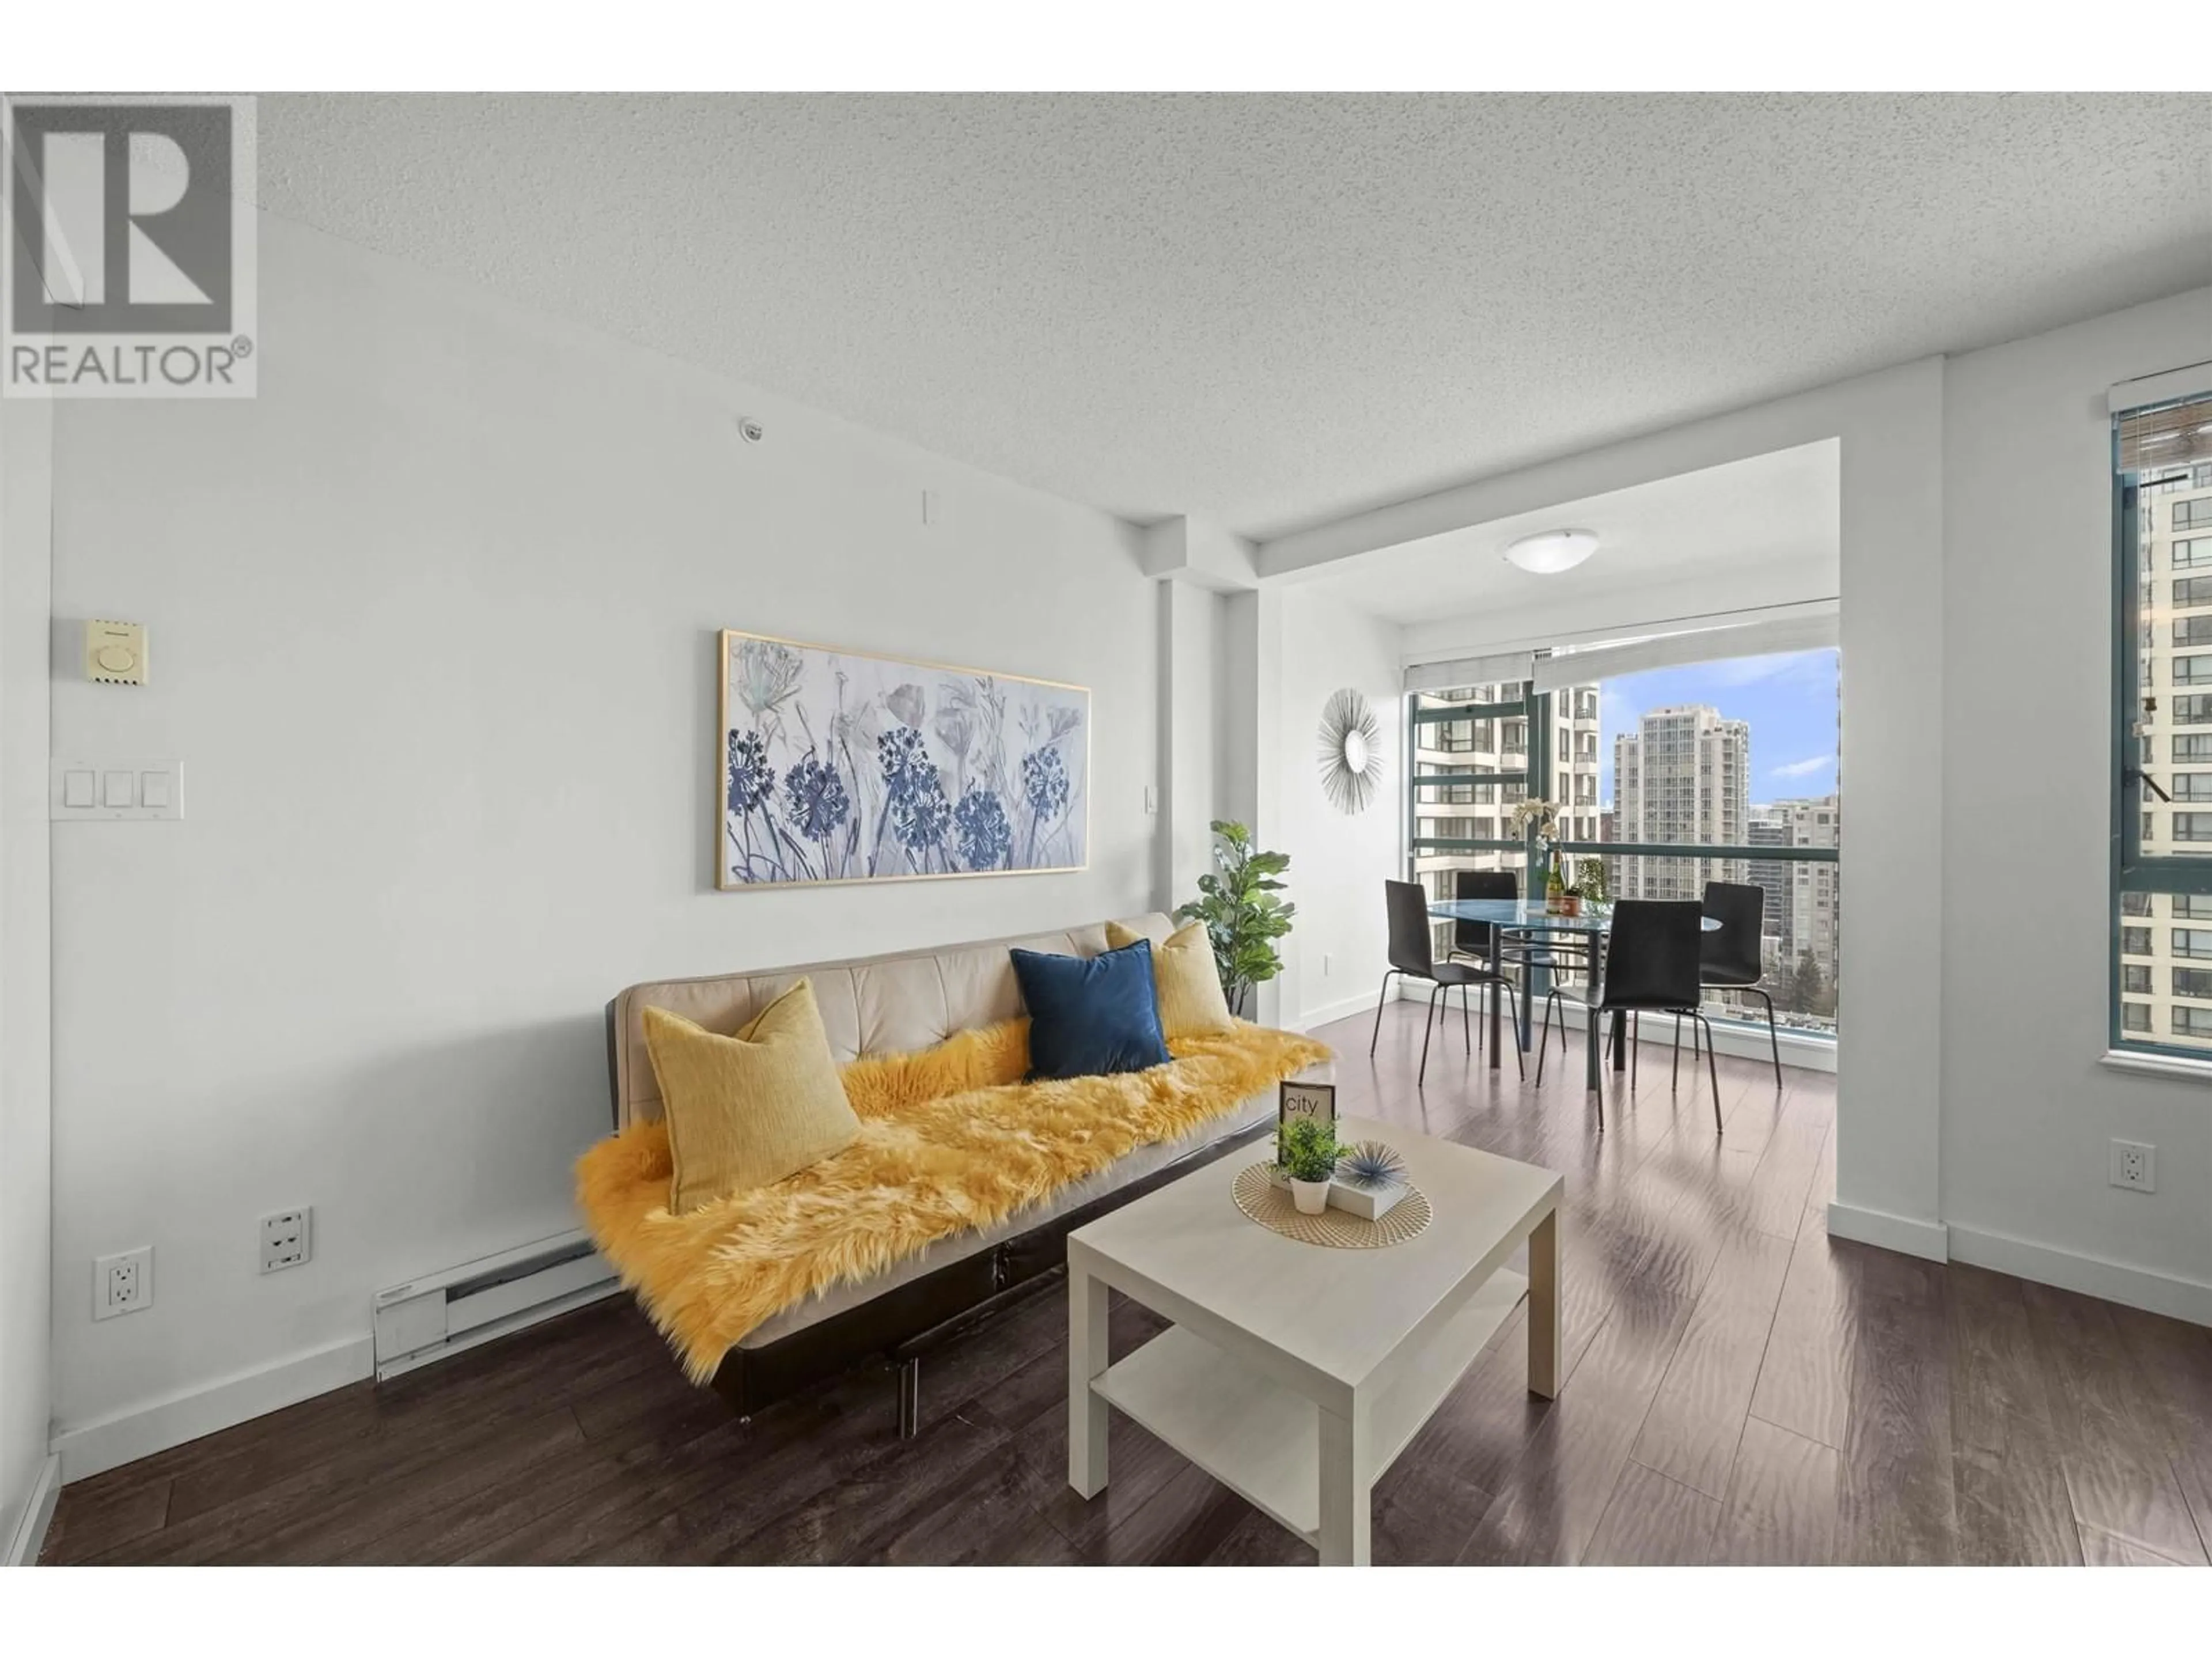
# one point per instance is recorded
(2165, 939)
(1683, 775)
(1811, 902)
(1466, 809)
(1769, 826)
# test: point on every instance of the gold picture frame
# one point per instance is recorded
(834, 767)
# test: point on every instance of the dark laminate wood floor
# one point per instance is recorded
(1740, 1388)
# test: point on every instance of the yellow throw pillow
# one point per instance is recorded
(1189, 990)
(747, 1110)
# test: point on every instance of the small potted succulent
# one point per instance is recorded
(1308, 1158)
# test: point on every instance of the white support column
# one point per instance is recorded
(1190, 651)
(27, 448)
(1248, 747)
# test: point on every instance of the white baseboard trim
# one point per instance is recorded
(1929, 1240)
(38, 1515)
(1746, 1041)
(2111, 1281)
(142, 1431)
(1323, 1015)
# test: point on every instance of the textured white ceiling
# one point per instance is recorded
(1272, 310)
(1773, 512)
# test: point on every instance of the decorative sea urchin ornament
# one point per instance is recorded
(1368, 1164)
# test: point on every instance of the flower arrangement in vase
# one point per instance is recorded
(1536, 823)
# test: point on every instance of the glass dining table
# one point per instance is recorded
(1529, 923)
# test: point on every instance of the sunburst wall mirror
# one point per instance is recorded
(1351, 751)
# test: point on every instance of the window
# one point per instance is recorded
(2189, 749)
(2187, 907)
(2192, 826)
(2193, 982)
(2136, 977)
(2193, 514)
(2134, 904)
(2192, 671)
(2187, 555)
(2192, 590)
(2195, 710)
(2192, 1022)
(1457, 743)
(2192, 942)
(2136, 1015)
(2193, 631)
(2190, 786)
(2134, 942)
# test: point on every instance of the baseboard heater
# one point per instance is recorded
(445, 1313)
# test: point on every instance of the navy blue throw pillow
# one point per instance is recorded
(1091, 1015)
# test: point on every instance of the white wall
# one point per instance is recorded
(1339, 948)
(432, 632)
(2027, 747)
(26, 453)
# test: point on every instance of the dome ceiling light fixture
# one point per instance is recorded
(1550, 551)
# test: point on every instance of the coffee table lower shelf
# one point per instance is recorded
(1262, 1439)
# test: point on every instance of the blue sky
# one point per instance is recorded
(1790, 700)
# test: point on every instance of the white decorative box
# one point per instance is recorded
(1368, 1203)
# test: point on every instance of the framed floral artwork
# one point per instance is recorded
(838, 766)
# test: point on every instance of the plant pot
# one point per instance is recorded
(1311, 1196)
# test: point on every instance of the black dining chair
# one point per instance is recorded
(1478, 939)
(1483, 941)
(1651, 964)
(1413, 956)
(1731, 958)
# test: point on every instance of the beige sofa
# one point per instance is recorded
(890, 1005)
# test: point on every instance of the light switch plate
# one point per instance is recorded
(111, 789)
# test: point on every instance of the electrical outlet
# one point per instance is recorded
(2135, 1166)
(287, 1239)
(124, 1283)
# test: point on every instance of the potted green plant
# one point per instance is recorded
(1307, 1157)
(1590, 877)
(1244, 914)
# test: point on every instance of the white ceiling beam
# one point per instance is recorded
(1200, 552)
(1785, 423)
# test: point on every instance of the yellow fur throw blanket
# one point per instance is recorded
(950, 1138)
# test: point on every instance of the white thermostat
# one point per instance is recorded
(115, 652)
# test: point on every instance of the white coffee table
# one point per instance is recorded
(1294, 1374)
